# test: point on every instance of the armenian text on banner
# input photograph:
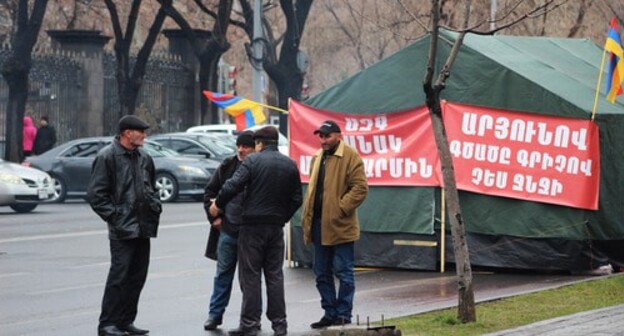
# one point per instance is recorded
(525, 156)
(398, 149)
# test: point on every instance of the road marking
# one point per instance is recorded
(89, 233)
(13, 274)
(64, 289)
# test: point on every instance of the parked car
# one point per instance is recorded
(213, 146)
(229, 129)
(69, 165)
(23, 188)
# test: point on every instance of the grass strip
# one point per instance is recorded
(512, 312)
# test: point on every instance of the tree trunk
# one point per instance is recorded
(15, 71)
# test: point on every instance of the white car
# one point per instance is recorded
(229, 129)
(23, 188)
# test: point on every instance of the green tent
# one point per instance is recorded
(549, 76)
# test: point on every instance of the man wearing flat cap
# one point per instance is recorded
(223, 237)
(272, 194)
(122, 192)
(337, 188)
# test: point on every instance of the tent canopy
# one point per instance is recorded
(550, 76)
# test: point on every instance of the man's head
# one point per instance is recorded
(265, 136)
(132, 131)
(245, 144)
(329, 134)
(43, 121)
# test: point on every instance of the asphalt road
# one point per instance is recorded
(54, 262)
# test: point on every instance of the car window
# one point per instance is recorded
(218, 146)
(158, 150)
(83, 150)
(185, 147)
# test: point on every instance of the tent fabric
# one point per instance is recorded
(549, 76)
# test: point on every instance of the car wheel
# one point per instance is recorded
(60, 190)
(23, 208)
(167, 187)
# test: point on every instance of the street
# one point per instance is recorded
(54, 263)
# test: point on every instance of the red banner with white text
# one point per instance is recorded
(524, 156)
(495, 152)
(397, 148)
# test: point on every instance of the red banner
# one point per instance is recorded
(495, 152)
(524, 156)
(397, 148)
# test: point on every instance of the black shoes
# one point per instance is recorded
(327, 322)
(212, 323)
(111, 331)
(323, 323)
(242, 332)
(131, 329)
(341, 321)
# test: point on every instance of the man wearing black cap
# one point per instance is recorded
(122, 193)
(329, 220)
(222, 241)
(272, 188)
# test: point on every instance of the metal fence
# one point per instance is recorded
(58, 90)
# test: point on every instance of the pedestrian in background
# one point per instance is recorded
(272, 189)
(29, 134)
(122, 192)
(337, 188)
(46, 137)
(222, 241)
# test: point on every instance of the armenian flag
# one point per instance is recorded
(616, 62)
(246, 112)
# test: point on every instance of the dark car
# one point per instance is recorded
(69, 165)
(213, 146)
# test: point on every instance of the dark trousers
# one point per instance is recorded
(126, 277)
(261, 249)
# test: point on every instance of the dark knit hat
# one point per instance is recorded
(328, 126)
(132, 122)
(266, 133)
(246, 138)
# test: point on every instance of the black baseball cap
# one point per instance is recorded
(328, 126)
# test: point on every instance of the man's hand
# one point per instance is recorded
(217, 223)
(214, 210)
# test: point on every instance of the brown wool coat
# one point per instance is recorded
(345, 188)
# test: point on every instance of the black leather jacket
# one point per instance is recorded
(271, 185)
(122, 193)
(234, 209)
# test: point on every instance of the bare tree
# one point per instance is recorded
(15, 71)
(208, 52)
(283, 70)
(129, 81)
(466, 305)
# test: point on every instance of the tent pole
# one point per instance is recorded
(442, 231)
(604, 54)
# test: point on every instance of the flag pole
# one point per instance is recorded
(272, 107)
(604, 54)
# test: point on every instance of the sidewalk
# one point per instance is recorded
(605, 322)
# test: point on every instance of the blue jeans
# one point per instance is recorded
(333, 260)
(226, 266)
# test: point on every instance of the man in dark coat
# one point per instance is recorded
(222, 242)
(46, 137)
(272, 187)
(122, 192)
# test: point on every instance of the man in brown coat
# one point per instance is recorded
(337, 187)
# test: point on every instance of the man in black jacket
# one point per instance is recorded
(222, 242)
(46, 137)
(122, 193)
(272, 187)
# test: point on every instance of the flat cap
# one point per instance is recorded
(132, 122)
(266, 133)
(328, 126)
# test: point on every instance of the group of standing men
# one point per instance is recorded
(248, 201)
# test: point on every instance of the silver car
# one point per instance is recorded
(23, 188)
